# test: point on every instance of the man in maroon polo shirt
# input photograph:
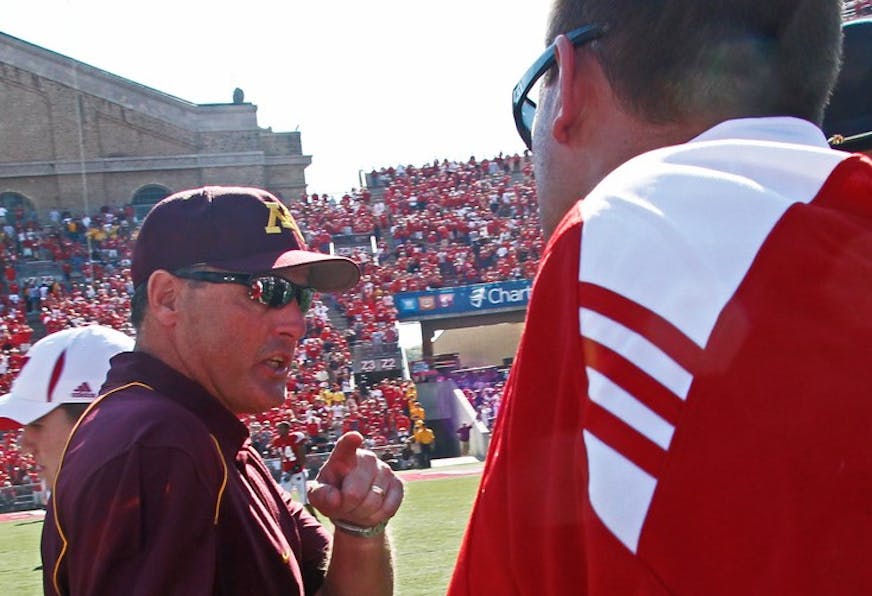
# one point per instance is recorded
(160, 491)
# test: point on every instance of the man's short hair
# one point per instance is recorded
(671, 60)
(74, 411)
(138, 305)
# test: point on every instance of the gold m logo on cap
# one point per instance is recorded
(279, 215)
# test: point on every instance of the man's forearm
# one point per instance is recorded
(360, 493)
(359, 566)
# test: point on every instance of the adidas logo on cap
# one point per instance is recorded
(83, 391)
(65, 366)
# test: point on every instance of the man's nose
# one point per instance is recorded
(27, 443)
(290, 321)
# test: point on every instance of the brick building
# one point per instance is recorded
(75, 138)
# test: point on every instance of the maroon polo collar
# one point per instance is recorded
(141, 367)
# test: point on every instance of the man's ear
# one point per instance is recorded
(570, 98)
(163, 297)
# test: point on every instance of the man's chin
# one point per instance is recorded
(268, 402)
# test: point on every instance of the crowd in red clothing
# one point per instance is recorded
(442, 224)
(383, 413)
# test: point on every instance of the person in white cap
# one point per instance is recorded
(62, 376)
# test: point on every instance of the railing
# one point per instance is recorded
(21, 497)
(371, 350)
(314, 461)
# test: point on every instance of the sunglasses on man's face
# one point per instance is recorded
(524, 108)
(266, 288)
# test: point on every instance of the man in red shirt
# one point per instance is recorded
(688, 412)
(291, 449)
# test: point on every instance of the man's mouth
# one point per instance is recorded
(279, 363)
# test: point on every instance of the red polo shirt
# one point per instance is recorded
(160, 492)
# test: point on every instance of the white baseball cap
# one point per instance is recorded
(65, 367)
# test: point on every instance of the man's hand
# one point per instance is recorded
(355, 486)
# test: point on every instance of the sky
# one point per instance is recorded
(368, 84)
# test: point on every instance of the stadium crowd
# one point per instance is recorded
(443, 224)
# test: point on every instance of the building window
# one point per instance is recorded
(146, 197)
(16, 207)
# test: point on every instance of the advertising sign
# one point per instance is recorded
(463, 300)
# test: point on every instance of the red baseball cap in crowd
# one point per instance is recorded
(244, 230)
(65, 367)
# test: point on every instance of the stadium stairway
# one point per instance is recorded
(35, 322)
(337, 319)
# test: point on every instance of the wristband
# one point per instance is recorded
(376, 530)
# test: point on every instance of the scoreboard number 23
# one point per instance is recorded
(378, 364)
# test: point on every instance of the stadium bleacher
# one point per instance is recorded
(440, 224)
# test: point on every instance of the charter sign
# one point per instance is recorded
(511, 295)
(482, 297)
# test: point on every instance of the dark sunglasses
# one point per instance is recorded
(524, 108)
(268, 289)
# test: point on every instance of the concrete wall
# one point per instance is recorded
(74, 137)
(481, 346)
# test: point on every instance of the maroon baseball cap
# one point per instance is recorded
(245, 230)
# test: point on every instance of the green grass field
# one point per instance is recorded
(426, 534)
(19, 557)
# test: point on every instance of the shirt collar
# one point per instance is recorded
(128, 367)
(776, 129)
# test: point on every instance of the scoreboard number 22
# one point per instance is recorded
(378, 364)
